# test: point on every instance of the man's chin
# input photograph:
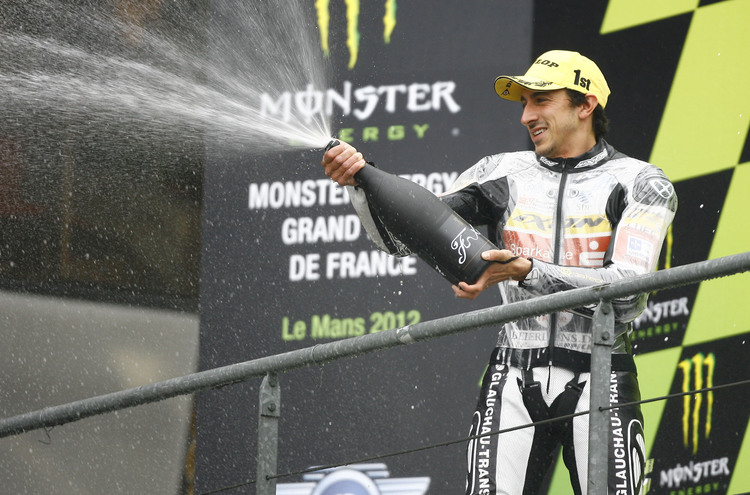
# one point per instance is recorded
(541, 150)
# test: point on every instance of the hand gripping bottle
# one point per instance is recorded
(426, 225)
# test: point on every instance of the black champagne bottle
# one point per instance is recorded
(426, 225)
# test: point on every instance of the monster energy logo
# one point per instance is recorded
(694, 370)
(352, 26)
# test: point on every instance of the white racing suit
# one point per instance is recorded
(582, 221)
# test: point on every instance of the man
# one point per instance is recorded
(577, 213)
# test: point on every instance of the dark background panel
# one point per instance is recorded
(383, 402)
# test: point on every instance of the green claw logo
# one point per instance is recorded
(695, 370)
(352, 26)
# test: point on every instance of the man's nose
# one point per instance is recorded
(528, 115)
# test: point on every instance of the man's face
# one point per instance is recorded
(552, 121)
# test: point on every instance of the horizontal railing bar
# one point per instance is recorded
(323, 353)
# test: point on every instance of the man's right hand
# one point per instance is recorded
(341, 163)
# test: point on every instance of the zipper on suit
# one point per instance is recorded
(557, 247)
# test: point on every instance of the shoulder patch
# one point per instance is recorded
(652, 187)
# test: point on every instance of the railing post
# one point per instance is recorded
(268, 434)
(601, 365)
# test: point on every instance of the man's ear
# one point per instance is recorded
(589, 106)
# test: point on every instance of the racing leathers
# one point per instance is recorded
(582, 221)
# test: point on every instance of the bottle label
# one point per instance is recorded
(462, 242)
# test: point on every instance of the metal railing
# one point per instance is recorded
(270, 366)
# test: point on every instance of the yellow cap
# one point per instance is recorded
(557, 69)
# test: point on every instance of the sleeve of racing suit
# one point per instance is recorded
(650, 204)
(479, 205)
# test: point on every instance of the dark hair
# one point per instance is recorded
(601, 121)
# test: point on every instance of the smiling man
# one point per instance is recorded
(572, 213)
